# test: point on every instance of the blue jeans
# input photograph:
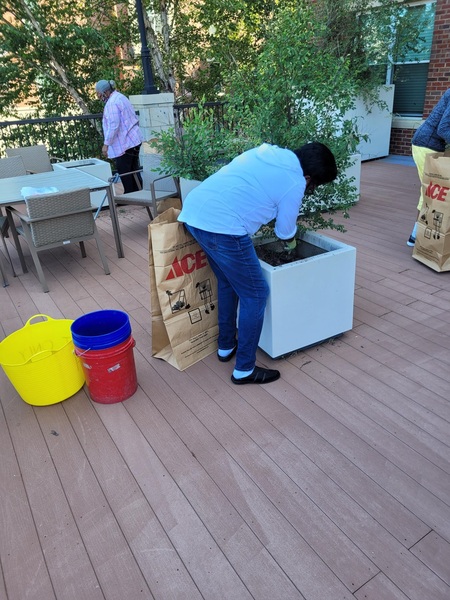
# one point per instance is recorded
(239, 277)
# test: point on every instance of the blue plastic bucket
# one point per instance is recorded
(101, 329)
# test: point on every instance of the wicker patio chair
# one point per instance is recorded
(155, 189)
(35, 158)
(58, 219)
(3, 234)
(3, 272)
(9, 167)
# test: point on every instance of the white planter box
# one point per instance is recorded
(186, 185)
(93, 166)
(311, 300)
(376, 122)
(355, 171)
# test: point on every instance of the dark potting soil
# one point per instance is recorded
(273, 254)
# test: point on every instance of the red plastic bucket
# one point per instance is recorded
(110, 373)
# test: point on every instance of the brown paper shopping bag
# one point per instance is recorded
(183, 294)
(432, 246)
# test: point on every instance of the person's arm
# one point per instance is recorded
(286, 220)
(443, 129)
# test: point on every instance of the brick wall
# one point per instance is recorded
(439, 71)
(438, 76)
(400, 143)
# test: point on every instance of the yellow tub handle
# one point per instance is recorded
(39, 355)
(35, 317)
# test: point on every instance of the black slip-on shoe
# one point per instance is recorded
(228, 357)
(259, 375)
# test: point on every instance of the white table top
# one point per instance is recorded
(64, 180)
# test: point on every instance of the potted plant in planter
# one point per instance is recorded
(200, 149)
(311, 66)
(311, 299)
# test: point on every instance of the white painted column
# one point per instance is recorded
(155, 112)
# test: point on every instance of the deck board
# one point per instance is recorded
(434, 552)
(330, 484)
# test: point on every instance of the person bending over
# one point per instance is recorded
(225, 210)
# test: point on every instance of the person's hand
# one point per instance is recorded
(290, 245)
(105, 150)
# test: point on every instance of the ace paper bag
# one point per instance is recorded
(183, 294)
(432, 246)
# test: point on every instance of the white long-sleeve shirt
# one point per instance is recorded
(260, 185)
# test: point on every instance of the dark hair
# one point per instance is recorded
(318, 162)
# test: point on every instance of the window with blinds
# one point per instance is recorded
(410, 75)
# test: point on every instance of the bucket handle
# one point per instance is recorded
(28, 323)
(38, 356)
(44, 353)
(80, 353)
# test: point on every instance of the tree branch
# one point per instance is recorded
(61, 78)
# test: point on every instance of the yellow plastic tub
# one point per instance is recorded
(40, 361)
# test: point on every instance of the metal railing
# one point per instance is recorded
(68, 138)
(79, 137)
(181, 111)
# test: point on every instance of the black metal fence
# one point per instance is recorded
(181, 111)
(78, 137)
(68, 138)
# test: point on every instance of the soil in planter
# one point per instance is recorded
(273, 254)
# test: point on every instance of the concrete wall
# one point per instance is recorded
(155, 112)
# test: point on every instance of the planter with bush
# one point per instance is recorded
(314, 289)
(313, 63)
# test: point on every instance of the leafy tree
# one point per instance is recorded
(296, 84)
(228, 40)
(194, 43)
(199, 45)
(55, 50)
(315, 60)
(370, 35)
(300, 91)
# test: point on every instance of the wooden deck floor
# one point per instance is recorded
(332, 483)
